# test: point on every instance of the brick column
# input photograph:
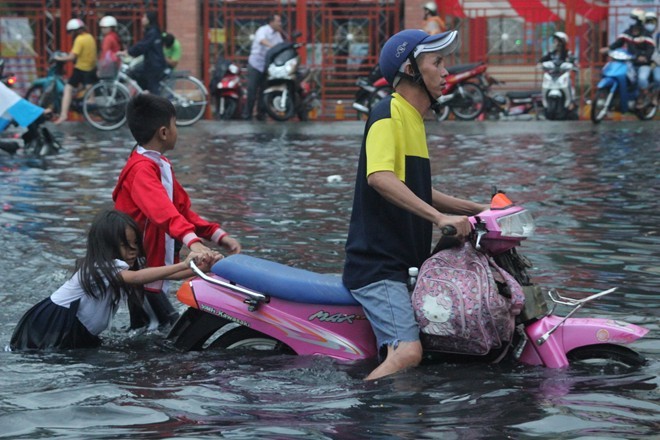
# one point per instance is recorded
(183, 21)
(413, 15)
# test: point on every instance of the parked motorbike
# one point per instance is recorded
(558, 91)
(226, 89)
(37, 140)
(512, 104)
(617, 90)
(8, 79)
(47, 91)
(371, 89)
(463, 94)
(289, 89)
(249, 302)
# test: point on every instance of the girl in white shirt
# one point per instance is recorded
(76, 313)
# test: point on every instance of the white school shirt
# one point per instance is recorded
(93, 313)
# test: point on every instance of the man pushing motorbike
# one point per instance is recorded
(395, 206)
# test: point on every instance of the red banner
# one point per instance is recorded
(533, 11)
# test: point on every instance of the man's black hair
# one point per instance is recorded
(146, 113)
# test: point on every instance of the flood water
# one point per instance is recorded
(593, 191)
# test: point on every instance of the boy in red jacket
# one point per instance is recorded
(148, 191)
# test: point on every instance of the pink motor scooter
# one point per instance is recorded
(254, 303)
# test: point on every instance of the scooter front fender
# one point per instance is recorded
(281, 87)
(339, 331)
(573, 333)
(607, 83)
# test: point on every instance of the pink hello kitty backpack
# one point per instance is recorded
(459, 305)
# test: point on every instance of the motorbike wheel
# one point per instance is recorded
(245, 338)
(442, 114)
(43, 96)
(278, 106)
(600, 105)
(606, 355)
(554, 109)
(647, 112)
(229, 110)
(469, 106)
(194, 328)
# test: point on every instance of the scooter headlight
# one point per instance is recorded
(520, 224)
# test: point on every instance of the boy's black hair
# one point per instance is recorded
(168, 39)
(146, 113)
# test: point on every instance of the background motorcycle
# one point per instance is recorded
(371, 89)
(8, 79)
(512, 104)
(558, 90)
(47, 91)
(289, 90)
(36, 140)
(249, 302)
(226, 89)
(617, 90)
(464, 94)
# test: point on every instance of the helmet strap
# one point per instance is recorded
(418, 79)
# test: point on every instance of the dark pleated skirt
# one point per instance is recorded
(49, 326)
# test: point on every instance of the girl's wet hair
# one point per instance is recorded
(146, 113)
(106, 235)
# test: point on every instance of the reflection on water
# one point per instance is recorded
(593, 192)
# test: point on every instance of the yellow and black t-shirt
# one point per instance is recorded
(383, 239)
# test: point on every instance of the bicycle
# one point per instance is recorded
(104, 105)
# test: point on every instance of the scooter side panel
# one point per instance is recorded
(342, 332)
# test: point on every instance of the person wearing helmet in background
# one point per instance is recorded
(149, 73)
(84, 54)
(637, 42)
(651, 26)
(433, 24)
(110, 46)
(395, 207)
(559, 52)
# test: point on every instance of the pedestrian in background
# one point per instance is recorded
(266, 37)
(84, 54)
(433, 24)
(171, 50)
(151, 70)
(108, 63)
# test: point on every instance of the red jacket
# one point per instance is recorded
(141, 194)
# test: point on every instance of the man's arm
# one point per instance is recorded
(396, 192)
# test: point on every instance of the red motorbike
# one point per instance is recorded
(226, 89)
(371, 89)
(463, 94)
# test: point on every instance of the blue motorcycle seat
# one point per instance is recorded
(284, 282)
